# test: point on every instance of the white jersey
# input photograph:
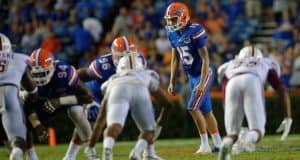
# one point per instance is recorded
(12, 68)
(146, 78)
(256, 66)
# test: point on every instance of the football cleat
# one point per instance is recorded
(134, 155)
(90, 154)
(215, 150)
(237, 147)
(107, 154)
(151, 156)
(203, 150)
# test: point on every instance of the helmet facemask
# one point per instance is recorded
(130, 61)
(176, 16)
(42, 76)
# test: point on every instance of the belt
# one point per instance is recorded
(8, 84)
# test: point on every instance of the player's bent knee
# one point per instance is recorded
(19, 143)
(114, 130)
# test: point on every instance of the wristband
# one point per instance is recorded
(68, 100)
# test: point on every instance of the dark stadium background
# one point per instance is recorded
(78, 30)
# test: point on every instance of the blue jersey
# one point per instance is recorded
(61, 83)
(63, 80)
(187, 44)
(100, 70)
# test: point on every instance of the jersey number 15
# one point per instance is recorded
(185, 56)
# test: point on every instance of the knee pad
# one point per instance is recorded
(113, 130)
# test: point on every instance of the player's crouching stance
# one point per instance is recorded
(243, 80)
(13, 69)
(59, 89)
(128, 90)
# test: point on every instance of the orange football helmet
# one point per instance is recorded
(177, 16)
(42, 66)
(122, 46)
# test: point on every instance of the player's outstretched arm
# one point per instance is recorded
(286, 124)
(174, 69)
(99, 124)
(82, 94)
(162, 98)
(84, 75)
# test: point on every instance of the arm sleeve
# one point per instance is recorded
(73, 77)
(199, 36)
(94, 70)
(273, 79)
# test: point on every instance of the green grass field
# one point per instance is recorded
(270, 148)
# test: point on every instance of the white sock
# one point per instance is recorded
(72, 150)
(31, 154)
(204, 139)
(16, 154)
(108, 142)
(252, 136)
(216, 139)
(150, 150)
(140, 145)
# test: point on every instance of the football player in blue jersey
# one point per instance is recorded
(59, 89)
(188, 42)
(100, 70)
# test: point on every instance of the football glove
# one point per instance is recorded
(285, 127)
(51, 105)
(42, 133)
(92, 113)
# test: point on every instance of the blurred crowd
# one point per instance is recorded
(79, 30)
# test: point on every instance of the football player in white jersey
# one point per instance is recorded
(129, 89)
(13, 73)
(243, 80)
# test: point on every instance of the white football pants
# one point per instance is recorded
(244, 96)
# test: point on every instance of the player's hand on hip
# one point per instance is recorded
(199, 91)
(171, 89)
(51, 105)
(285, 127)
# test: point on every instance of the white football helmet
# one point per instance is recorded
(250, 51)
(130, 61)
(5, 45)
